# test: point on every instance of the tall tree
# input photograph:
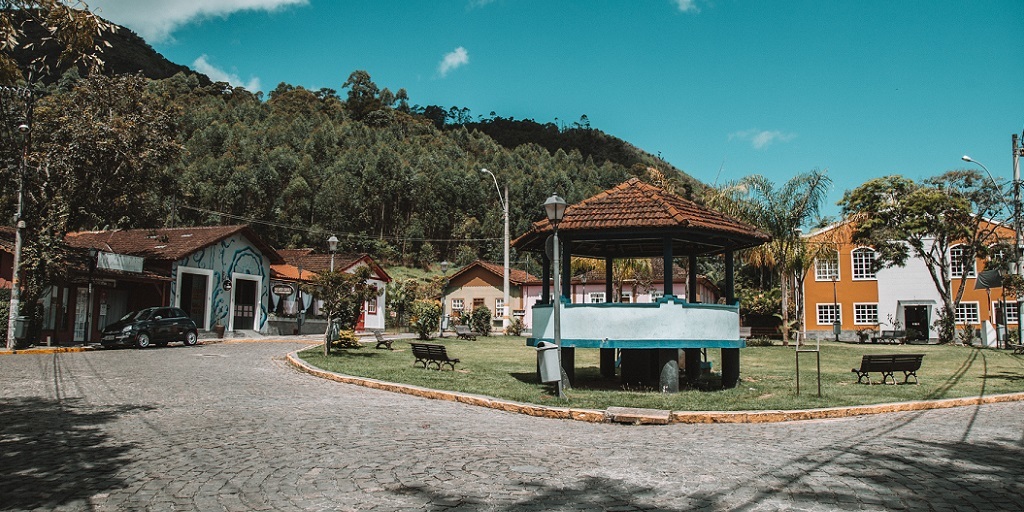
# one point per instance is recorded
(69, 27)
(900, 218)
(780, 213)
(362, 95)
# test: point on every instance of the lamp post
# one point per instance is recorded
(332, 245)
(444, 290)
(88, 316)
(1018, 245)
(837, 325)
(25, 130)
(554, 207)
(505, 276)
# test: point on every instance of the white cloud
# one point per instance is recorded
(479, 3)
(453, 60)
(761, 139)
(687, 5)
(156, 20)
(202, 65)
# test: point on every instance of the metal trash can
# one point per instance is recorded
(21, 328)
(547, 362)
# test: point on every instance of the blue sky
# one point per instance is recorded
(719, 88)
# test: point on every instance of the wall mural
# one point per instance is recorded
(233, 255)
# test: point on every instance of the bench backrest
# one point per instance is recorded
(891, 362)
(429, 351)
(888, 334)
(461, 328)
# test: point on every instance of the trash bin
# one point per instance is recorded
(547, 362)
(21, 328)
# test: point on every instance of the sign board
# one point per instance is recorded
(283, 290)
(121, 262)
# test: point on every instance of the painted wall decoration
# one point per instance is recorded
(226, 260)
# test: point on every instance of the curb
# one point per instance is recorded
(651, 417)
(45, 350)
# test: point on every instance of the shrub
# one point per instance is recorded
(347, 339)
(515, 327)
(480, 320)
(425, 317)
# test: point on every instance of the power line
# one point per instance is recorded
(252, 220)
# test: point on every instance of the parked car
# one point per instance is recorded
(151, 326)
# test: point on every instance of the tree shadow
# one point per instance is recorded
(55, 452)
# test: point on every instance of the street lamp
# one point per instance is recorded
(1018, 236)
(444, 290)
(505, 276)
(88, 317)
(554, 207)
(25, 130)
(837, 325)
(332, 244)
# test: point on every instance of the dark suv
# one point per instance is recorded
(151, 326)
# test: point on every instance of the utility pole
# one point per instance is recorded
(25, 130)
(1019, 237)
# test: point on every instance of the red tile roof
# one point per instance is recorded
(168, 244)
(635, 210)
(515, 276)
(311, 262)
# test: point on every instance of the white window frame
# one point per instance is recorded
(458, 304)
(868, 273)
(824, 269)
(859, 319)
(626, 295)
(836, 313)
(371, 306)
(957, 266)
(1012, 316)
(595, 295)
(963, 317)
(656, 294)
(499, 308)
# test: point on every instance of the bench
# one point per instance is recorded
(429, 353)
(887, 364)
(463, 332)
(890, 337)
(1017, 348)
(382, 341)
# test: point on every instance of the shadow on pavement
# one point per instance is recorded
(55, 452)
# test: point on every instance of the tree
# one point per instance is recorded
(426, 317)
(900, 218)
(68, 26)
(362, 95)
(779, 213)
(343, 295)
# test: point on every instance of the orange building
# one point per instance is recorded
(845, 288)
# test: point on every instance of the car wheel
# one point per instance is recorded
(191, 338)
(142, 341)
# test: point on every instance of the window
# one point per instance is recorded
(863, 263)
(499, 308)
(957, 263)
(1011, 312)
(458, 304)
(827, 268)
(371, 306)
(967, 313)
(626, 297)
(477, 303)
(596, 297)
(865, 314)
(656, 294)
(829, 313)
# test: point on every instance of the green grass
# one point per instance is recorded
(504, 367)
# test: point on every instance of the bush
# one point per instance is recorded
(515, 327)
(480, 320)
(347, 339)
(425, 317)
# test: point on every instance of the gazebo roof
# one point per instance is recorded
(634, 218)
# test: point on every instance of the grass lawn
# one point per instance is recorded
(504, 367)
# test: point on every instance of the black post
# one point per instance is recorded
(545, 277)
(668, 275)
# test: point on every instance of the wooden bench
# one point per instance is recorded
(382, 341)
(887, 364)
(429, 353)
(1017, 348)
(463, 332)
(890, 337)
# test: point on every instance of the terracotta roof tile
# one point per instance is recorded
(166, 243)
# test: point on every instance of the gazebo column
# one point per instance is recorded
(666, 264)
(545, 278)
(730, 356)
(607, 354)
(568, 353)
(691, 280)
(691, 356)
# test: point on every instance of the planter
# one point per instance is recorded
(219, 330)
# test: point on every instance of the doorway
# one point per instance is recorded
(192, 296)
(244, 315)
(917, 322)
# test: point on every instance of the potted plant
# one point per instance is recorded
(218, 329)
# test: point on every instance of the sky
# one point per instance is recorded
(721, 89)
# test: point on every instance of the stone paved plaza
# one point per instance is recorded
(232, 427)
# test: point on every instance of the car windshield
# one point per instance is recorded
(141, 314)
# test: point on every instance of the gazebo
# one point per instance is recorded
(635, 220)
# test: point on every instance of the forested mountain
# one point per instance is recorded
(398, 181)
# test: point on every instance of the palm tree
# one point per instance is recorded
(780, 213)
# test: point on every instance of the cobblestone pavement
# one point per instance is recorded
(232, 427)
